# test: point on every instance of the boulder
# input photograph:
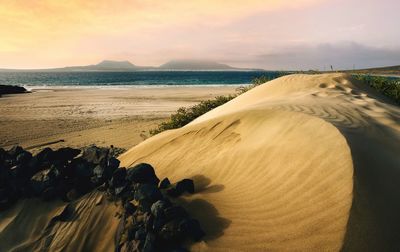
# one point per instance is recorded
(175, 212)
(81, 168)
(10, 89)
(64, 155)
(191, 227)
(164, 184)
(15, 151)
(170, 233)
(23, 158)
(96, 155)
(150, 243)
(142, 173)
(148, 192)
(185, 185)
(45, 157)
(44, 179)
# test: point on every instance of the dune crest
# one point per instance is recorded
(283, 156)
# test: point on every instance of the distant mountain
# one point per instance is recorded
(105, 65)
(195, 65)
(389, 70)
(126, 66)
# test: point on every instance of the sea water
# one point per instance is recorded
(138, 78)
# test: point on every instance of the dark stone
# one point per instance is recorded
(170, 233)
(81, 168)
(148, 192)
(9, 89)
(140, 234)
(112, 164)
(96, 155)
(44, 179)
(118, 182)
(172, 192)
(164, 184)
(185, 185)
(175, 212)
(150, 243)
(63, 155)
(142, 173)
(129, 208)
(157, 209)
(98, 175)
(83, 185)
(23, 158)
(192, 228)
(15, 151)
(45, 157)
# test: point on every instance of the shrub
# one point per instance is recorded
(388, 86)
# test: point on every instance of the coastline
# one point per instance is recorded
(58, 117)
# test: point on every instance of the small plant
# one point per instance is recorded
(388, 86)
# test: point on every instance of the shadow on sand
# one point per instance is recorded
(210, 220)
(374, 220)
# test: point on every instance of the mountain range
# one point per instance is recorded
(126, 66)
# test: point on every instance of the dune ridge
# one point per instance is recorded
(291, 162)
(303, 163)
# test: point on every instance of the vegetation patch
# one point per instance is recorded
(388, 86)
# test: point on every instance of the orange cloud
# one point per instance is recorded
(31, 25)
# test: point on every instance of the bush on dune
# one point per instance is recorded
(388, 86)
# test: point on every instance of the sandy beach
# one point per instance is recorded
(81, 116)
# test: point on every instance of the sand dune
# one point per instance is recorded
(302, 163)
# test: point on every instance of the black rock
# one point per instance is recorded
(44, 179)
(129, 208)
(170, 233)
(157, 209)
(98, 175)
(113, 164)
(118, 178)
(150, 243)
(165, 183)
(175, 212)
(140, 234)
(7, 197)
(185, 185)
(81, 168)
(15, 151)
(23, 158)
(192, 228)
(9, 89)
(63, 155)
(45, 157)
(148, 192)
(83, 185)
(142, 173)
(96, 155)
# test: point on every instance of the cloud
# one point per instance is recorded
(342, 55)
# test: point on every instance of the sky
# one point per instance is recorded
(269, 34)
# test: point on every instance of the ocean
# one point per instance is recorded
(139, 78)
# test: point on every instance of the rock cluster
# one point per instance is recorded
(7, 89)
(150, 221)
(65, 173)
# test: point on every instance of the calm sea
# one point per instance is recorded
(142, 78)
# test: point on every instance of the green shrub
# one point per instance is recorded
(388, 86)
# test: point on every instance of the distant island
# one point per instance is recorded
(126, 66)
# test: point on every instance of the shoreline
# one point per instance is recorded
(77, 117)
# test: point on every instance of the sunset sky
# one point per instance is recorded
(270, 34)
